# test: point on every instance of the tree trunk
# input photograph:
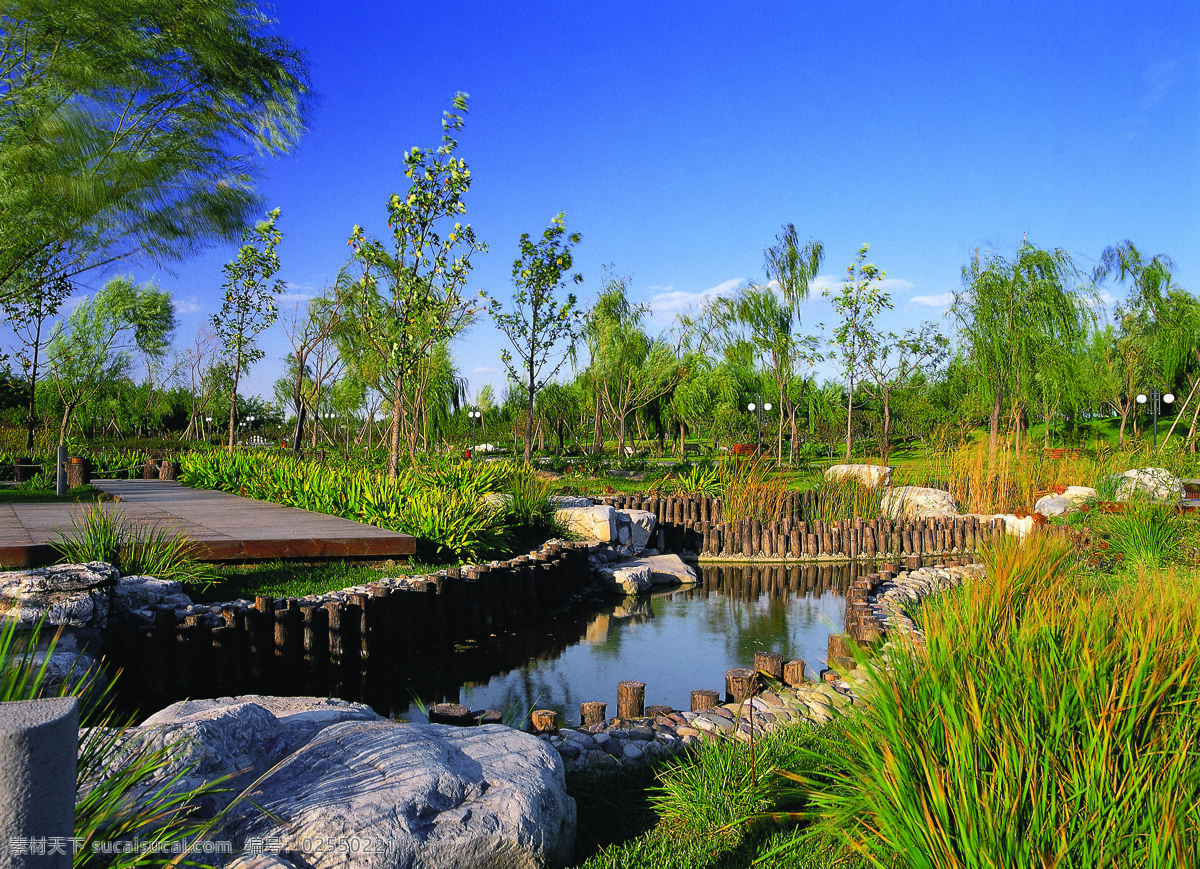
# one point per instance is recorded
(37, 339)
(994, 428)
(237, 369)
(394, 438)
(887, 426)
(849, 417)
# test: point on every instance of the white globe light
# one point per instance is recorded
(1141, 399)
(767, 406)
(1169, 398)
(752, 405)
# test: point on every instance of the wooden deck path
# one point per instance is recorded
(223, 527)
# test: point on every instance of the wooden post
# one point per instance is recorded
(738, 683)
(769, 663)
(631, 699)
(316, 638)
(592, 712)
(185, 640)
(223, 663)
(450, 713)
(703, 698)
(793, 673)
(544, 721)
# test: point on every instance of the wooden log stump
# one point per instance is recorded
(739, 681)
(657, 710)
(631, 699)
(544, 721)
(168, 469)
(489, 716)
(793, 673)
(769, 663)
(592, 712)
(703, 698)
(451, 713)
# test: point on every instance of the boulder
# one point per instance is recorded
(1017, 527)
(136, 594)
(564, 501)
(664, 569)
(626, 580)
(872, 476)
(917, 502)
(590, 523)
(1071, 499)
(77, 595)
(641, 524)
(1157, 484)
(413, 795)
(238, 735)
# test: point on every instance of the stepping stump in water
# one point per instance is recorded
(631, 699)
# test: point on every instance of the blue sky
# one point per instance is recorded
(679, 137)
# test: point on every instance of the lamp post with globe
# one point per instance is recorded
(475, 416)
(1155, 394)
(757, 409)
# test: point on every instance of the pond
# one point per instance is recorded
(675, 641)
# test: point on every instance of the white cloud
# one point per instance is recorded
(669, 301)
(187, 306)
(296, 297)
(940, 301)
(485, 369)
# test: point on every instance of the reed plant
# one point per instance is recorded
(752, 489)
(847, 498)
(1039, 726)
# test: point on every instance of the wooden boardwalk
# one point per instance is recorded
(223, 527)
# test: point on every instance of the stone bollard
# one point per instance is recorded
(38, 746)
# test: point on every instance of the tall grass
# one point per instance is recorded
(99, 534)
(751, 488)
(1038, 727)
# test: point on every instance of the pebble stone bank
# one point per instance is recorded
(620, 741)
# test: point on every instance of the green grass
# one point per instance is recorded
(295, 579)
(25, 495)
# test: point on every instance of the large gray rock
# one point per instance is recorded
(78, 595)
(917, 502)
(872, 476)
(135, 595)
(641, 527)
(626, 580)
(412, 795)
(664, 569)
(1072, 498)
(1157, 484)
(564, 501)
(590, 523)
(238, 736)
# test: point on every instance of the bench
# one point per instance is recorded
(1063, 453)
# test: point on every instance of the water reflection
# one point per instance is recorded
(674, 641)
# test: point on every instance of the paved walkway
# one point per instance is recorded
(224, 527)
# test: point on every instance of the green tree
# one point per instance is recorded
(249, 306)
(411, 298)
(628, 367)
(130, 126)
(37, 292)
(1009, 312)
(539, 322)
(93, 349)
(892, 362)
(859, 301)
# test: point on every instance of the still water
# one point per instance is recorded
(675, 641)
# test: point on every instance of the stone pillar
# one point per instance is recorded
(38, 746)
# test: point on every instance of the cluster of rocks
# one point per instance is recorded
(889, 599)
(919, 502)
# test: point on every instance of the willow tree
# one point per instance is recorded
(410, 296)
(1010, 312)
(132, 126)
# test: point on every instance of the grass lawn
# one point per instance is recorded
(25, 495)
(297, 579)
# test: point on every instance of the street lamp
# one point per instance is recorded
(474, 415)
(1153, 398)
(752, 407)
(208, 427)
